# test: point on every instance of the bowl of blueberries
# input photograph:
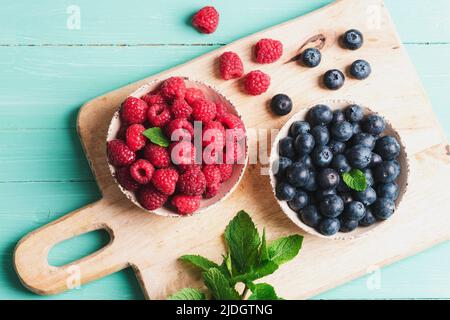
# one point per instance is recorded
(338, 169)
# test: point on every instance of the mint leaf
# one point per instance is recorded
(199, 262)
(188, 294)
(284, 249)
(263, 291)
(258, 272)
(263, 252)
(156, 136)
(219, 285)
(243, 242)
(355, 179)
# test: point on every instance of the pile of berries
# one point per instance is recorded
(320, 151)
(157, 156)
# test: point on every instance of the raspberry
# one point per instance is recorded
(157, 155)
(203, 110)
(230, 66)
(151, 99)
(158, 115)
(193, 94)
(235, 130)
(206, 20)
(212, 155)
(213, 133)
(183, 168)
(134, 137)
(133, 110)
(212, 177)
(142, 171)
(119, 154)
(226, 170)
(212, 191)
(178, 129)
(150, 198)
(268, 50)
(192, 183)
(182, 153)
(165, 180)
(125, 179)
(181, 109)
(256, 82)
(186, 204)
(221, 109)
(173, 88)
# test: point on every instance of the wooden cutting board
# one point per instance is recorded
(151, 244)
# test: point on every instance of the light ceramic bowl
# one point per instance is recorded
(227, 187)
(359, 231)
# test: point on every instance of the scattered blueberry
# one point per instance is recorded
(352, 39)
(297, 174)
(299, 127)
(304, 144)
(386, 171)
(342, 131)
(387, 147)
(286, 147)
(311, 57)
(383, 208)
(359, 156)
(321, 115)
(388, 190)
(328, 178)
(299, 201)
(280, 167)
(281, 104)
(354, 113)
(321, 135)
(322, 156)
(333, 79)
(360, 69)
(310, 216)
(284, 191)
(331, 206)
(354, 211)
(367, 197)
(329, 227)
(368, 218)
(374, 124)
(364, 139)
(337, 147)
(348, 225)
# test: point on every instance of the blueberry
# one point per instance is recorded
(299, 201)
(376, 159)
(356, 127)
(305, 160)
(311, 57)
(360, 69)
(321, 114)
(342, 131)
(331, 206)
(369, 177)
(359, 156)
(328, 178)
(298, 174)
(322, 156)
(348, 225)
(354, 113)
(354, 211)
(338, 116)
(281, 104)
(310, 216)
(343, 188)
(321, 135)
(364, 139)
(374, 124)
(368, 218)
(387, 147)
(320, 194)
(367, 197)
(340, 164)
(337, 147)
(280, 166)
(388, 190)
(346, 197)
(383, 208)
(333, 79)
(286, 147)
(311, 184)
(386, 171)
(285, 191)
(304, 144)
(329, 227)
(352, 39)
(299, 127)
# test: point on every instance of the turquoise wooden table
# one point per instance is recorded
(56, 55)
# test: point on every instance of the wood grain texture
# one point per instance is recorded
(308, 272)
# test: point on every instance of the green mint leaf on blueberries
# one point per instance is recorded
(263, 291)
(284, 249)
(188, 294)
(203, 263)
(219, 286)
(156, 136)
(355, 179)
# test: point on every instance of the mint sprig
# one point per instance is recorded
(355, 179)
(249, 257)
(156, 136)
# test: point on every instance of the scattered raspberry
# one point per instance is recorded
(193, 94)
(221, 109)
(151, 99)
(226, 170)
(134, 137)
(133, 110)
(182, 153)
(125, 179)
(142, 171)
(158, 115)
(178, 129)
(173, 88)
(150, 198)
(256, 82)
(268, 50)
(165, 180)
(181, 109)
(192, 183)
(212, 177)
(213, 133)
(230, 66)
(119, 154)
(186, 204)
(206, 20)
(203, 110)
(157, 155)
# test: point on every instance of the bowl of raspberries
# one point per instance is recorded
(176, 147)
(338, 170)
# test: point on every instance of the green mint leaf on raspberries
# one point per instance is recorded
(263, 291)
(219, 285)
(284, 249)
(264, 269)
(199, 262)
(188, 294)
(156, 136)
(355, 179)
(263, 251)
(243, 243)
